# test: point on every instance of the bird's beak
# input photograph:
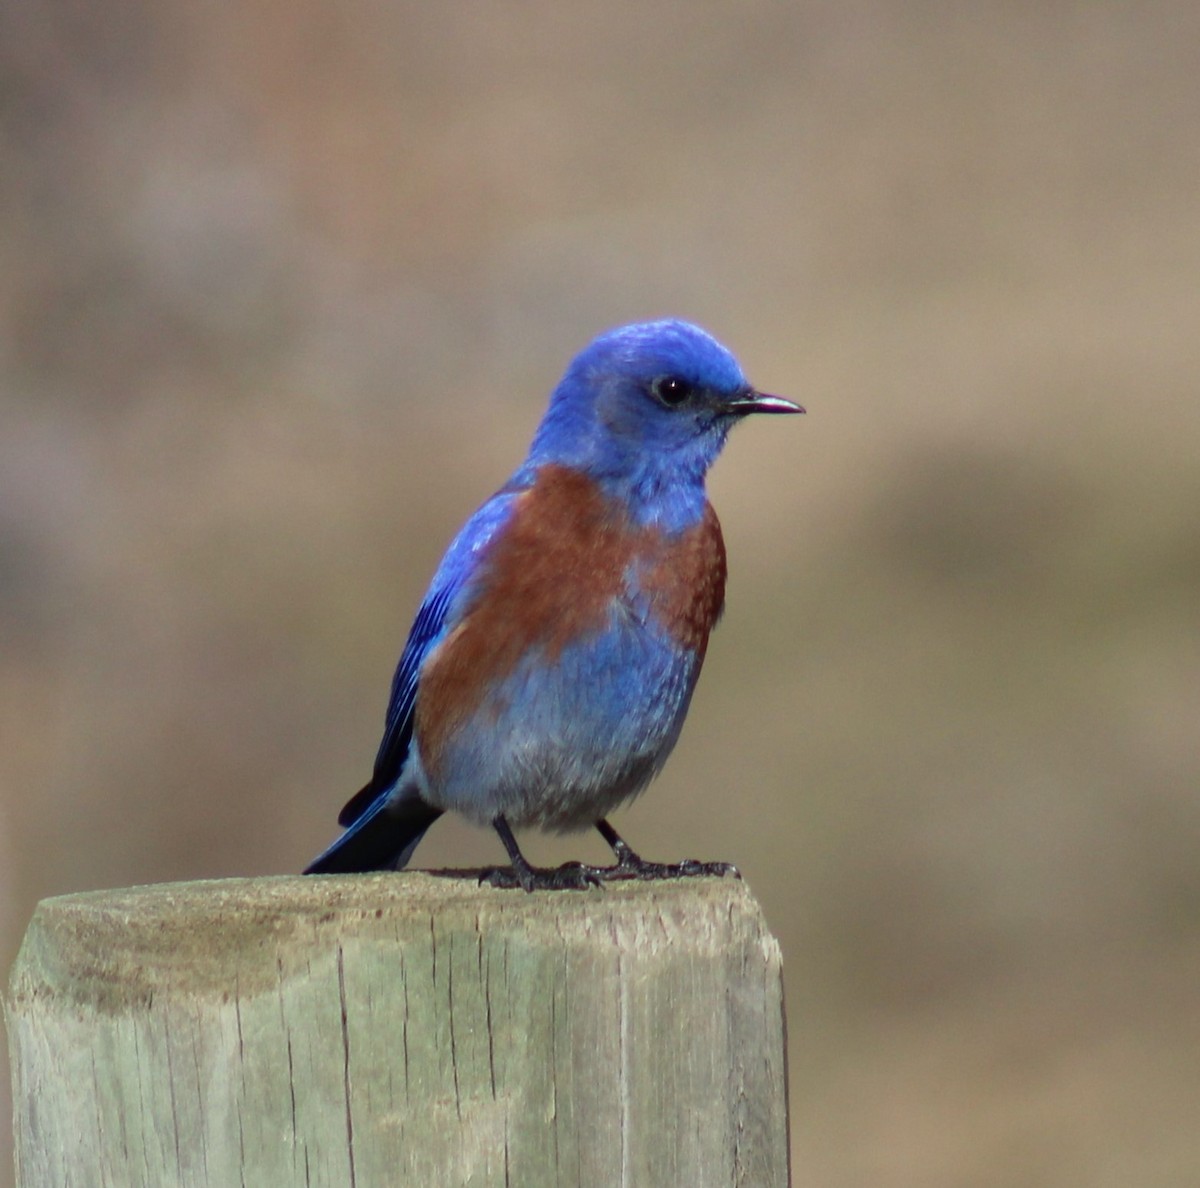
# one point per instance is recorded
(752, 401)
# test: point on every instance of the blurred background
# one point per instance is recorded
(282, 292)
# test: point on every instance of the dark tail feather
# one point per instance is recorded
(383, 838)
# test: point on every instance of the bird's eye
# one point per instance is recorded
(672, 390)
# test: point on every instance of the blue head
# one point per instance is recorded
(645, 410)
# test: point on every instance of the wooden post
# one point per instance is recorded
(399, 1030)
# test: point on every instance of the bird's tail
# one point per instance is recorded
(382, 838)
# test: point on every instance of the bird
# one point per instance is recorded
(552, 662)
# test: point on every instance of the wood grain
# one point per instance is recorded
(399, 1029)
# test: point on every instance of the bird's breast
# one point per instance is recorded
(566, 560)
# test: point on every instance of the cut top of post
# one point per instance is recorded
(116, 947)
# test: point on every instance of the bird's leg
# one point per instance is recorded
(574, 876)
(631, 865)
(627, 858)
(577, 876)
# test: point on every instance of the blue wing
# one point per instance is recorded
(439, 612)
(426, 631)
(383, 829)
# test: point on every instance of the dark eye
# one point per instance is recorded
(672, 390)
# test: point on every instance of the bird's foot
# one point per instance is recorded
(632, 866)
(572, 876)
(579, 876)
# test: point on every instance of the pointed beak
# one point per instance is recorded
(752, 401)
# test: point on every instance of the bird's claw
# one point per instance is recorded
(632, 866)
(577, 876)
(572, 876)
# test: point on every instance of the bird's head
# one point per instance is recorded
(649, 405)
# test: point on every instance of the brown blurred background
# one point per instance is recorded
(282, 291)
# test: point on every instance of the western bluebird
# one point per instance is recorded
(550, 667)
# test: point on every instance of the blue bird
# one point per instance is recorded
(551, 664)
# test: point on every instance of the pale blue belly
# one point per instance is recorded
(559, 744)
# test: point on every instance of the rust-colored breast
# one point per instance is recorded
(685, 582)
(549, 578)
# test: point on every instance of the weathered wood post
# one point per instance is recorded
(396, 1030)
